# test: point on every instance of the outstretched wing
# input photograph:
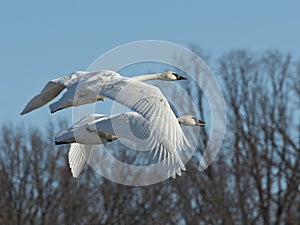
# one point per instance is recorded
(51, 90)
(165, 133)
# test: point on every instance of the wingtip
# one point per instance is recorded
(24, 112)
(74, 175)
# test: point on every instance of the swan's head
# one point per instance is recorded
(171, 76)
(189, 120)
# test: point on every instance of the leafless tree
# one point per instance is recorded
(264, 134)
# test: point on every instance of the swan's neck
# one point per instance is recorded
(155, 76)
(184, 121)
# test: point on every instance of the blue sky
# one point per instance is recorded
(42, 40)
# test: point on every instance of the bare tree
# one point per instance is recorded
(264, 136)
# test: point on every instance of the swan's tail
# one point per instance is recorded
(78, 157)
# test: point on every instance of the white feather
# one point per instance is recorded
(78, 156)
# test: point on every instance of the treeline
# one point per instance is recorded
(254, 180)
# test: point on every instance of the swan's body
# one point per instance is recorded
(85, 132)
(100, 129)
(82, 79)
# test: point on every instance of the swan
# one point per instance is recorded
(140, 97)
(54, 87)
(100, 129)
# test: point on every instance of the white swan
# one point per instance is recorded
(71, 81)
(100, 129)
(143, 98)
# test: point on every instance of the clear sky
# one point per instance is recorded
(42, 40)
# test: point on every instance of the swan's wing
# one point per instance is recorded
(78, 156)
(83, 91)
(147, 100)
(51, 90)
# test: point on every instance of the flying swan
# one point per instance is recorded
(70, 82)
(100, 129)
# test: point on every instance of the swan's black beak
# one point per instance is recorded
(178, 77)
(200, 123)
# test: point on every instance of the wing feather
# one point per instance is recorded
(78, 156)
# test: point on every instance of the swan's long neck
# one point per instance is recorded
(184, 121)
(154, 76)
